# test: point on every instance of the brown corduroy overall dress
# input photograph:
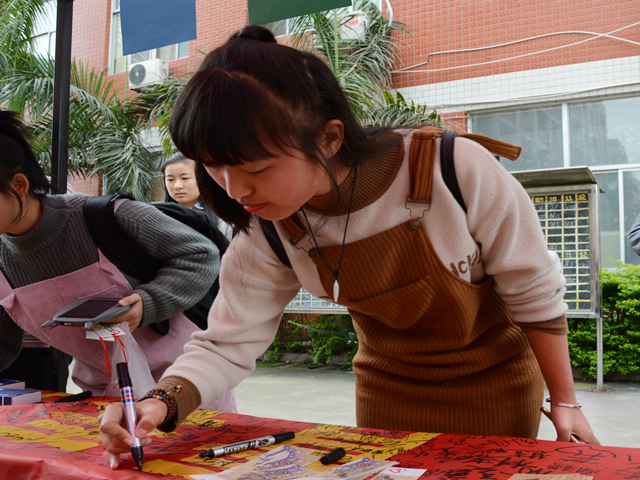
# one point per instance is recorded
(436, 353)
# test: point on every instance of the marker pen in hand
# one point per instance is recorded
(128, 403)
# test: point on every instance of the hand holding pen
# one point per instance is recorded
(115, 436)
(129, 406)
(118, 427)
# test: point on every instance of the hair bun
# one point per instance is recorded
(256, 32)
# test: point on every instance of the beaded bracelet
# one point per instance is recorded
(166, 396)
(559, 404)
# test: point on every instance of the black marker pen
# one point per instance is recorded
(128, 403)
(248, 445)
(74, 398)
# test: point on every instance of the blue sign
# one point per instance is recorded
(149, 24)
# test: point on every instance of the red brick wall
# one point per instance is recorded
(90, 34)
(437, 26)
(433, 26)
(216, 20)
(89, 185)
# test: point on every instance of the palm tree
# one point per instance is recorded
(17, 23)
(363, 66)
(106, 134)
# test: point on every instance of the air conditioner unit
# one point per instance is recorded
(355, 28)
(149, 72)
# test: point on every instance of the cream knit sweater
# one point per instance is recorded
(500, 236)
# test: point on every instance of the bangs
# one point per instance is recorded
(228, 118)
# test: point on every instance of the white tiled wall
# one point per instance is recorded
(607, 77)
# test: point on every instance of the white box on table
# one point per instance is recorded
(10, 396)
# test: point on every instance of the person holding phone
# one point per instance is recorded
(48, 260)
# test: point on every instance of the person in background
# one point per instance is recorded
(181, 187)
(460, 316)
(634, 236)
(48, 259)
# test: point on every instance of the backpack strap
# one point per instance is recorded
(422, 154)
(448, 168)
(270, 232)
(117, 246)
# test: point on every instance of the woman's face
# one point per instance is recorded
(274, 188)
(180, 180)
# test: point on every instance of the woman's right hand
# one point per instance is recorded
(115, 437)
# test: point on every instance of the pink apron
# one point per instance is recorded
(32, 305)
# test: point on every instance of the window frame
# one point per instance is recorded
(618, 169)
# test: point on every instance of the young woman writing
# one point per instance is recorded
(459, 316)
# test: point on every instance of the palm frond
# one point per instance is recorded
(92, 89)
(363, 66)
(18, 20)
(29, 89)
(158, 104)
(130, 164)
(397, 112)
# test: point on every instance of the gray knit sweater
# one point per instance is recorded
(60, 243)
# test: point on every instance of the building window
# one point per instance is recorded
(603, 135)
(605, 132)
(44, 31)
(120, 63)
(537, 130)
(281, 27)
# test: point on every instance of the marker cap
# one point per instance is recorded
(283, 437)
(333, 456)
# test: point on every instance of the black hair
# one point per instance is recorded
(253, 98)
(173, 159)
(16, 156)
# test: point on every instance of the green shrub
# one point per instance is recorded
(332, 335)
(290, 338)
(621, 325)
(322, 336)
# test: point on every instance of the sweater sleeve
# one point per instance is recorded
(255, 288)
(190, 261)
(634, 236)
(503, 221)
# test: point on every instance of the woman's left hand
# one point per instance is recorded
(133, 316)
(571, 421)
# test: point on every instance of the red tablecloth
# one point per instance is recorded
(61, 441)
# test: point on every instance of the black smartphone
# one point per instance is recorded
(87, 312)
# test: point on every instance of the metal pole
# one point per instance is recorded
(61, 82)
(599, 355)
(60, 139)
